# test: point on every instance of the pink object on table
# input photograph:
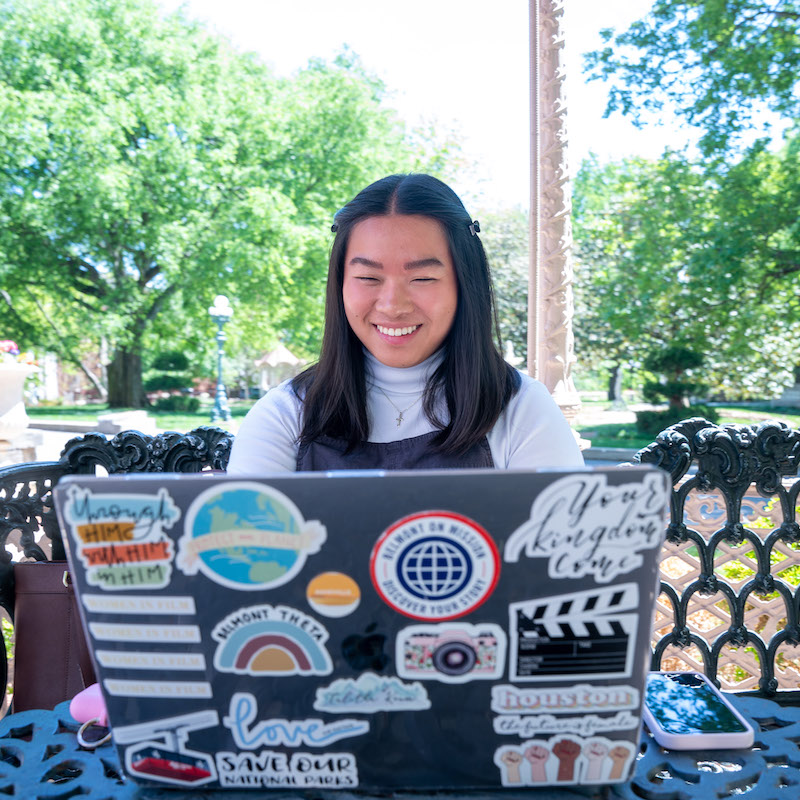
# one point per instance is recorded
(89, 705)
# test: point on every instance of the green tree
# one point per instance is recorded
(717, 63)
(633, 236)
(505, 238)
(146, 166)
(670, 254)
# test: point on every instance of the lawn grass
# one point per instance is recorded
(626, 436)
(622, 435)
(165, 420)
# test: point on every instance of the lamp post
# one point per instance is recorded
(220, 312)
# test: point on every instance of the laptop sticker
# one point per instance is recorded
(435, 565)
(583, 526)
(250, 733)
(578, 699)
(271, 640)
(246, 535)
(149, 660)
(589, 725)
(370, 693)
(138, 604)
(581, 635)
(167, 690)
(140, 632)
(333, 594)
(120, 539)
(451, 652)
(268, 768)
(526, 712)
(163, 755)
(564, 759)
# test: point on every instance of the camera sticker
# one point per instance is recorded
(271, 640)
(249, 734)
(564, 759)
(158, 749)
(370, 693)
(580, 635)
(333, 594)
(583, 526)
(451, 652)
(248, 536)
(120, 538)
(269, 769)
(435, 565)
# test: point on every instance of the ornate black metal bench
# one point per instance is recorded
(729, 603)
(28, 525)
(730, 569)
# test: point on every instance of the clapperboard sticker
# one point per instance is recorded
(584, 527)
(581, 635)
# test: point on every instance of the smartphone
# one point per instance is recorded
(685, 711)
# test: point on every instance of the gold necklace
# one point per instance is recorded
(399, 411)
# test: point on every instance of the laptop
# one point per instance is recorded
(379, 631)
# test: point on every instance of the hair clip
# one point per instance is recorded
(334, 227)
(475, 227)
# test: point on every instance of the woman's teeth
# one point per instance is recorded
(396, 331)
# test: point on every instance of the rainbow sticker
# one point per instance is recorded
(246, 536)
(271, 640)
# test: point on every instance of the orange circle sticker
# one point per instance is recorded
(333, 594)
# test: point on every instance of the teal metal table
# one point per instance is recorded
(40, 758)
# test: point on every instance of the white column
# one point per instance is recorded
(550, 307)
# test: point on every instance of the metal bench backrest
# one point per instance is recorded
(28, 525)
(731, 568)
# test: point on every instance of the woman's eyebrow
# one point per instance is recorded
(419, 264)
(366, 262)
(423, 262)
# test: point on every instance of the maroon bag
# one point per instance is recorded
(52, 662)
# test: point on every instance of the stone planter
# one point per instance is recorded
(13, 418)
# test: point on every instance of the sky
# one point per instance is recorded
(461, 64)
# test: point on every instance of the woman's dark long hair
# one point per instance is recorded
(473, 377)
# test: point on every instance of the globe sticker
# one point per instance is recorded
(333, 594)
(435, 565)
(247, 536)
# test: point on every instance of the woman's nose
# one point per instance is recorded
(394, 299)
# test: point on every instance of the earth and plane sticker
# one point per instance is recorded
(433, 567)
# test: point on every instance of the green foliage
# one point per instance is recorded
(504, 235)
(165, 383)
(651, 423)
(673, 361)
(171, 361)
(177, 402)
(146, 166)
(718, 63)
(669, 253)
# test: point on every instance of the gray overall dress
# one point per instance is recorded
(327, 453)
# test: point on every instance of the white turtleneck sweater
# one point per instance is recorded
(531, 431)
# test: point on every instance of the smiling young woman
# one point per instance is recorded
(399, 289)
(410, 374)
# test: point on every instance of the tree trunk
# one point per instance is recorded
(615, 384)
(125, 380)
